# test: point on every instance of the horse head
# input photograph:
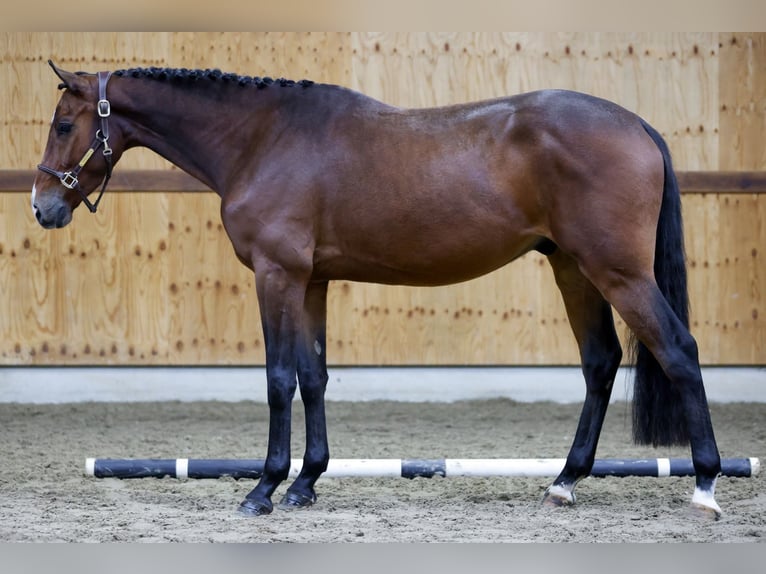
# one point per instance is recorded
(71, 168)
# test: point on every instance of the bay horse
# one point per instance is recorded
(321, 183)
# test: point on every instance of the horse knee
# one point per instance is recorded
(313, 385)
(277, 469)
(315, 461)
(600, 364)
(281, 389)
(682, 363)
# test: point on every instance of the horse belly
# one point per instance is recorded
(427, 256)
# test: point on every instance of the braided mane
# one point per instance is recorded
(210, 75)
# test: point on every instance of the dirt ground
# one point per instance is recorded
(44, 495)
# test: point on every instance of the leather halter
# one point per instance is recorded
(69, 178)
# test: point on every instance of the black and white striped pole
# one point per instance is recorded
(191, 468)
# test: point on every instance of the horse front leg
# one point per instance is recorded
(280, 297)
(312, 379)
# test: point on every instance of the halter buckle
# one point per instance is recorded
(68, 179)
(104, 108)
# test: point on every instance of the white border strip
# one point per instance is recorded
(415, 384)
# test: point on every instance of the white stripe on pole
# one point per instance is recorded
(663, 467)
(504, 467)
(348, 467)
(354, 467)
(182, 468)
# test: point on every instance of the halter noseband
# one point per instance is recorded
(69, 178)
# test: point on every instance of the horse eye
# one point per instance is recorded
(63, 128)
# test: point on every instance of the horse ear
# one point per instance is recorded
(71, 81)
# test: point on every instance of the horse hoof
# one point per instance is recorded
(704, 505)
(700, 511)
(293, 500)
(558, 496)
(250, 507)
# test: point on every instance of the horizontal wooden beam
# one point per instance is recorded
(722, 181)
(147, 180)
(162, 180)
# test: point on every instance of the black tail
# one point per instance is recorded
(658, 418)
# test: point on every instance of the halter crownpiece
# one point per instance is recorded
(69, 178)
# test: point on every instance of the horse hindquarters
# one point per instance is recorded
(660, 388)
(652, 302)
(657, 412)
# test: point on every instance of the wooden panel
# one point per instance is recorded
(742, 85)
(322, 57)
(671, 79)
(167, 289)
(29, 92)
(496, 319)
(725, 239)
(213, 309)
(33, 86)
(82, 295)
(164, 289)
(151, 279)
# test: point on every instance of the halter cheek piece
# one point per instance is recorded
(69, 178)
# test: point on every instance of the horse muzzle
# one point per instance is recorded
(51, 211)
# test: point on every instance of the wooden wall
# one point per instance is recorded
(151, 279)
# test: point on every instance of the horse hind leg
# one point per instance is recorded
(590, 317)
(670, 371)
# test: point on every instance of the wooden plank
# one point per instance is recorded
(159, 180)
(724, 236)
(144, 180)
(722, 181)
(742, 101)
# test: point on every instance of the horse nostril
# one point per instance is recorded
(38, 215)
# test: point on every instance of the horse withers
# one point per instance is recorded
(321, 183)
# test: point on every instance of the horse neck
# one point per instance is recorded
(198, 133)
